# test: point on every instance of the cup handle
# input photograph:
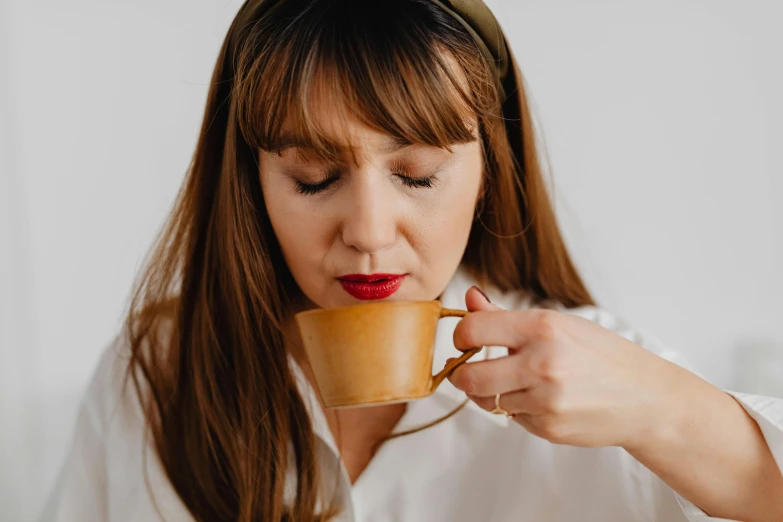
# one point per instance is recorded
(450, 367)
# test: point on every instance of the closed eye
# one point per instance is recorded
(310, 189)
(409, 181)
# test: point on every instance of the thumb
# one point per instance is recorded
(477, 301)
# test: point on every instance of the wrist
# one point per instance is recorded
(668, 411)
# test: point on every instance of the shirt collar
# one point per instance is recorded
(312, 405)
(452, 297)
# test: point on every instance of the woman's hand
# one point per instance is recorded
(570, 381)
(566, 379)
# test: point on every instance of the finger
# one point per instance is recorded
(477, 301)
(521, 402)
(501, 328)
(486, 378)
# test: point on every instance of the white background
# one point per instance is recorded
(664, 124)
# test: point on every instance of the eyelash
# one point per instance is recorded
(310, 189)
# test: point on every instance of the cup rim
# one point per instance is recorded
(374, 303)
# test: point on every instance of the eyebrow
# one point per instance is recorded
(289, 141)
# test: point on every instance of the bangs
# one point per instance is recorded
(307, 69)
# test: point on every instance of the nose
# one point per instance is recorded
(369, 222)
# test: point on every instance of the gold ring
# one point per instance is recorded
(498, 410)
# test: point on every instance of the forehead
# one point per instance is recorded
(331, 118)
(342, 136)
(331, 113)
(355, 145)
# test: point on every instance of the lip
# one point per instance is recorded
(371, 286)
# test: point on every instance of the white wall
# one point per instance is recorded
(664, 122)
(104, 103)
(661, 122)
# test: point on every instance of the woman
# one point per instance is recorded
(356, 151)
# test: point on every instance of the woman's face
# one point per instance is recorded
(390, 224)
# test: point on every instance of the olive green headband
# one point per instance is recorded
(473, 15)
(478, 20)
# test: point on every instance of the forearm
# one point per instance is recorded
(709, 450)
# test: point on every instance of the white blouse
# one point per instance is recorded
(475, 466)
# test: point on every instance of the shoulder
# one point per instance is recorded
(112, 462)
(118, 388)
(110, 394)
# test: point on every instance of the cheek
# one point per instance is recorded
(444, 228)
(441, 237)
(456, 213)
(301, 237)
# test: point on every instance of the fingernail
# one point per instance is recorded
(482, 293)
(448, 361)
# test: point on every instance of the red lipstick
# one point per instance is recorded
(371, 286)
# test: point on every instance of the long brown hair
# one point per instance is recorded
(208, 359)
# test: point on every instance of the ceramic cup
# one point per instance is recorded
(375, 353)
